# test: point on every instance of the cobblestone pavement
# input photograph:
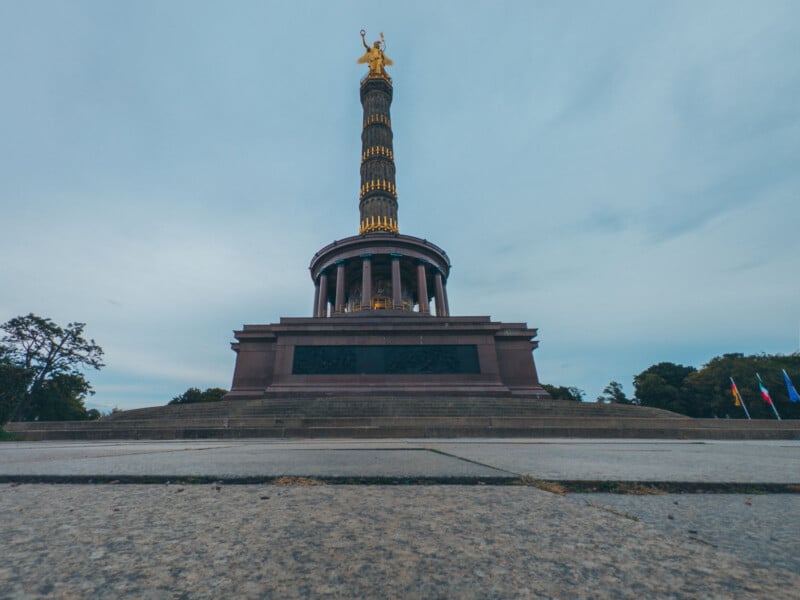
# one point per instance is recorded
(221, 541)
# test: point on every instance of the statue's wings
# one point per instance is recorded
(387, 61)
(364, 59)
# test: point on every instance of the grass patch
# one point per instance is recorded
(554, 487)
(637, 488)
(631, 488)
(303, 481)
(659, 488)
(5, 436)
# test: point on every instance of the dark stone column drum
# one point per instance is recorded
(378, 193)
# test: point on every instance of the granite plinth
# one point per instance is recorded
(268, 357)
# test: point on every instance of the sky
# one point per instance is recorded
(622, 175)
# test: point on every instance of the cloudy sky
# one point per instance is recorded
(625, 176)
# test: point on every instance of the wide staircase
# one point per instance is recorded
(402, 417)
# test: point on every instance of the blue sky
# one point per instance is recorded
(622, 175)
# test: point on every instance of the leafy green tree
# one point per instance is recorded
(60, 398)
(193, 395)
(613, 393)
(663, 386)
(53, 358)
(14, 381)
(564, 393)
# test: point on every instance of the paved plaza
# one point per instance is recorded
(489, 536)
(552, 459)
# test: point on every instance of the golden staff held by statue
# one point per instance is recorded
(375, 57)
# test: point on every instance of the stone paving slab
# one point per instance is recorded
(612, 460)
(637, 460)
(235, 461)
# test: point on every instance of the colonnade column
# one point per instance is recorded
(315, 309)
(422, 289)
(441, 311)
(366, 281)
(338, 307)
(322, 306)
(397, 292)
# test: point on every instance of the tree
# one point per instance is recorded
(706, 393)
(613, 393)
(193, 395)
(60, 398)
(52, 357)
(663, 386)
(564, 393)
(711, 385)
(14, 381)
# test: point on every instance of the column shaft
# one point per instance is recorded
(339, 306)
(439, 295)
(397, 292)
(366, 283)
(315, 309)
(322, 307)
(422, 289)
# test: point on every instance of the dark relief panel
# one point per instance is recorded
(386, 360)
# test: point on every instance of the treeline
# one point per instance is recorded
(41, 372)
(41, 378)
(706, 392)
(193, 395)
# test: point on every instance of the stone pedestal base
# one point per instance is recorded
(403, 356)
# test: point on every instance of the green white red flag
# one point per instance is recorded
(767, 399)
(764, 392)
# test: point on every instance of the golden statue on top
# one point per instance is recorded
(375, 57)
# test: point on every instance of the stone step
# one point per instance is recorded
(340, 407)
(388, 427)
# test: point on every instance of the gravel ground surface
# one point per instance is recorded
(764, 529)
(203, 541)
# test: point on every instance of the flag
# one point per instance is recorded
(763, 390)
(737, 399)
(793, 395)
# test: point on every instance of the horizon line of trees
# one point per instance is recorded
(706, 392)
(41, 372)
(41, 378)
(193, 395)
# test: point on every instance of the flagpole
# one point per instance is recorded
(775, 410)
(741, 400)
(771, 403)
